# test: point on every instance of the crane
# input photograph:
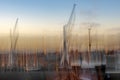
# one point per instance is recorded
(14, 35)
(67, 29)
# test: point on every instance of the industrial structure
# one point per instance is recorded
(67, 29)
(14, 35)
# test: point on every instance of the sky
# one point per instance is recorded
(47, 17)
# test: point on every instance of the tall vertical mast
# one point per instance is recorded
(89, 47)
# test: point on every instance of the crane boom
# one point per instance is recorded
(15, 34)
(15, 27)
(71, 20)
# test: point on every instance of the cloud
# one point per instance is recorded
(114, 29)
(88, 14)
